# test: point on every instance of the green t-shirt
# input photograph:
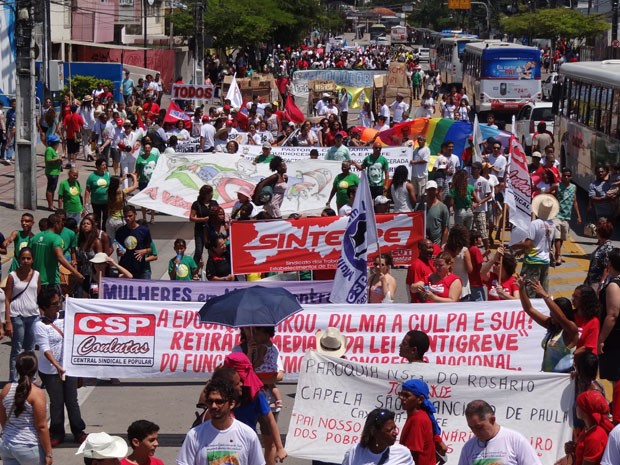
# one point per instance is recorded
(71, 194)
(185, 271)
(263, 159)
(342, 183)
(145, 167)
(69, 242)
(462, 203)
(98, 187)
(376, 170)
(44, 256)
(21, 240)
(52, 168)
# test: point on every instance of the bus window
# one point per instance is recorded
(615, 109)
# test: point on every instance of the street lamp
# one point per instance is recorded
(486, 7)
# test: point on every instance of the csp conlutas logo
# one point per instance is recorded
(122, 340)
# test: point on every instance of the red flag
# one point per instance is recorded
(292, 111)
(175, 114)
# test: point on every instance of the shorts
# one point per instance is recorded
(52, 183)
(115, 154)
(72, 146)
(562, 227)
(480, 224)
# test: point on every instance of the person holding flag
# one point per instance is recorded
(351, 280)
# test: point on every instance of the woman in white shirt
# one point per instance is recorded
(366, 117)
(448, 108)
(427, 105)
(22, 287)
(378, 443)
(25, 439)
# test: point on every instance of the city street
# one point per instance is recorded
(171, 403)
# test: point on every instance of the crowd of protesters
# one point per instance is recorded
(93, 233)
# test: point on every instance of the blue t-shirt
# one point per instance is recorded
(249, 413)
(127, 85)
(133, 239)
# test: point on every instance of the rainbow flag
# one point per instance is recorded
(436, 131)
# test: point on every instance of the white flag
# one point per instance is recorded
(351, 278)
(518, 191)
(477, 141)
(234, 94)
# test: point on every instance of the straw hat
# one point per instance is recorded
(331, 342)
(545, 206)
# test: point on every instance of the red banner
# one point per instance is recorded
(314, 243)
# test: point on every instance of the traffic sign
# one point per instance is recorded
(615, 43)
(459, 4)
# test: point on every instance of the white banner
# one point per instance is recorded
(146, 339)
(177, 178)
(334, 397)
(518, 188)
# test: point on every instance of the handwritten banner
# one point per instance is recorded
(146, 339)
(315, 243)
(177, 178)
(334, 397)
(307, 292)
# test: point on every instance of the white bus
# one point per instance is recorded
(500, 76)
(449, 62)
(398, 34)
(588, 115)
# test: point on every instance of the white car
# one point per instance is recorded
(527, 120)
(423, 54)
(547, 86)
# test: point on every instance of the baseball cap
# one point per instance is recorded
(229, 122)
(266, 145)
(381, 200)
(226, 107)
(205, 118)
(536, 154)
(431, 185)
(119, 121)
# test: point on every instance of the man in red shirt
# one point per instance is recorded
(73, 124)
(420, 269)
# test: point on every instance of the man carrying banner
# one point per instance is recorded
(493, 443)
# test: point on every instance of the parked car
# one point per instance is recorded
(547, 86)
(527, 120)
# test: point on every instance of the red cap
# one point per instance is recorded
(229, 122)
(119, 121)
(226, 107)
(205, 118)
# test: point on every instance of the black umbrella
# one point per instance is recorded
(251, 306)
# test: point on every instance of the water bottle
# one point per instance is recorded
(178, 265)
(119, 247)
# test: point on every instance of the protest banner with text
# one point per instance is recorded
(145, 339)
(202, 93)
(307, 292)
(334, 397)
(315, 243)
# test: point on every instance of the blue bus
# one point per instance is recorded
(501, 77)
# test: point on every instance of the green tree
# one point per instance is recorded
(554, 23)
(434, 14)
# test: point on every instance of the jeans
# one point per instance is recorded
(22, 340)
(477, 294)
(22, 454)
(61, 394)
(465, 217)
(200, 246)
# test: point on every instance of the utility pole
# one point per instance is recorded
(199, 28)
(614, 20)
(25, 192)
(144, 6)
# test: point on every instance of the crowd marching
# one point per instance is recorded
(93, 232)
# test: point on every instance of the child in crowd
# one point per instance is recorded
(142, 437)
(182, 267)
(264, 356)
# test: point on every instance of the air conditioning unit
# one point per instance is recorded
(125, 2)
